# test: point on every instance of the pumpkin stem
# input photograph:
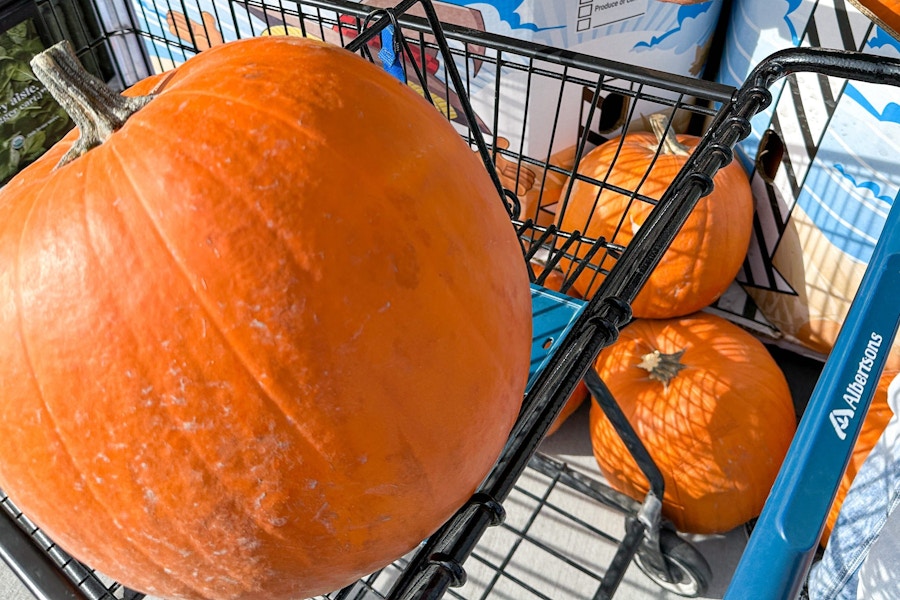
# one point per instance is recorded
(95, 108)
(659, 124)
(662, 367)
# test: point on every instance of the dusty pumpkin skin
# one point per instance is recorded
(708, 251)
(251, 344)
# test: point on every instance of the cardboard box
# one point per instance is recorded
(532, 114)
(652, 33)
(821, 209)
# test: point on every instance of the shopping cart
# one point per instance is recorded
(410, 41)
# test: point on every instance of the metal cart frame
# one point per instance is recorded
(438, 564)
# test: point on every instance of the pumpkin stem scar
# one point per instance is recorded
(662, 367)
(667, 139)
(95, 108)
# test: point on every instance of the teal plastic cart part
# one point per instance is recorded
(553, 314)
(780, 550)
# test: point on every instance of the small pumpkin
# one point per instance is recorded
(713, 409)
(873, 426)
(707, 252)
(250, 338)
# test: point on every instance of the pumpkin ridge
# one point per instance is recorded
(27, 353)
(254, 207)
(290, 252)
(264, 109)
(243, 359)
(426, 476)
(448, 288)
(67, 453)
(200, 550)
(264, 528)
(627, 216)
(17, 294)
(706, 232)
(599, 190)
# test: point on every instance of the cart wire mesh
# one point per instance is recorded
(547, 497)
(531, 112)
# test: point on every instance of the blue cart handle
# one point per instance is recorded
(778, 555)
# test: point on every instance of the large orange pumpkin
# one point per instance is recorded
(707, 252)
(250, 348)
(873, 426)
(713, 409)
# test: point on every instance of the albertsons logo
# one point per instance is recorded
(842, 417)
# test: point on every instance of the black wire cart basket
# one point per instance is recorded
(594, 100)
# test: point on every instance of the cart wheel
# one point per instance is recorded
(688, 567)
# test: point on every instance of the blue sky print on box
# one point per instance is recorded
(507, 12)
(648, 33)
(758, 28)
(683, 37)
(174, 24)
(826, 203)
(855, 177)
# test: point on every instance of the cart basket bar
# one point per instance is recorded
(780, 550)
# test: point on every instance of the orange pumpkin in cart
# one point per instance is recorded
(711, 406)
(707, 252)
(266, 336)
